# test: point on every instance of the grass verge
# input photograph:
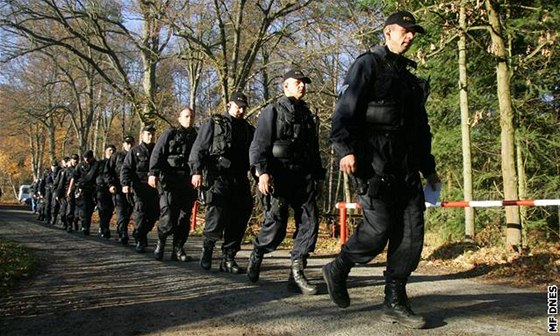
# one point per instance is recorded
(15, 263)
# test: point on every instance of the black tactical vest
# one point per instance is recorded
(293, 135)
(395, 92)
(222, 135)
(180, 144)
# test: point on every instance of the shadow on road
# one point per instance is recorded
(93, 286)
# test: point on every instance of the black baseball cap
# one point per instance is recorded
(149, 128)
(75, 157)
(296, 74)
(129, 139)
(88, 154)
(240, 99)
(406, 20)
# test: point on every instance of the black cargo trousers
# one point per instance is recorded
(392, 211)
(176, 200)
(123, 210)
(146, 210)
(105, 207)
(296, 190)
(229, 205)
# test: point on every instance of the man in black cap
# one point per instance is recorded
(49, 195)
(83, 179)
(134, 179)
(104, 197)
(122, 203)
(219, 164)
(285, 157)
(170, 173)
(66, 197)
(380, 131)
(56, 203)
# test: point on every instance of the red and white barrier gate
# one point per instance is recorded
(193, 216)
(343, 206)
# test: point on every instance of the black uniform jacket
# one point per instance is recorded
(113, 169)
(164, 148)
(236, 154)
(266, 134)
(85, 174)
(381, 78)
(136, 165)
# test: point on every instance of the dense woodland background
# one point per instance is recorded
(79, 74)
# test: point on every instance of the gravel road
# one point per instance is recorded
(92, 286)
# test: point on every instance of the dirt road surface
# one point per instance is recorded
(93, 286)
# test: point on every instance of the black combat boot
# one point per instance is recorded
(206, 255)
(141, 244)
(292, 285)
(229, 264)
(299, 279)
(254, 267)
(124, 240)
(139, 248)
(396, 307)
(335, 274)
(160, 248)
(178, 253)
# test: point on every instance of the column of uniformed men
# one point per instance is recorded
(379, 130)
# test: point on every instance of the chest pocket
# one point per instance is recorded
(179, 147)
(293, 132)
(142, 162)
(222, 135)
(294, 125)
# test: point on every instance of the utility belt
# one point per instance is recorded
(384, 116)
(290, 155)
(219, 163)
(102, 187)
(379, 184)
(86, 186)
(178, 172)
(177, 161)
(142, 176)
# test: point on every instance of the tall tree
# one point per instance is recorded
(96, 28)
(465, 120)
(503, 76)
(233, 47)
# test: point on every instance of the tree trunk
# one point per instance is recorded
(513, 224)
(52, 139)
(465, 126)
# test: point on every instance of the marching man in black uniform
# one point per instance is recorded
(285, 156)
(104, 198)
(219, 164)
(122, 203)
(170, 173)
(134, 179)
(380, 130)
(83, 182)
(66, 197)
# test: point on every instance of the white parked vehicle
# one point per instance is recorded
(24, 194)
